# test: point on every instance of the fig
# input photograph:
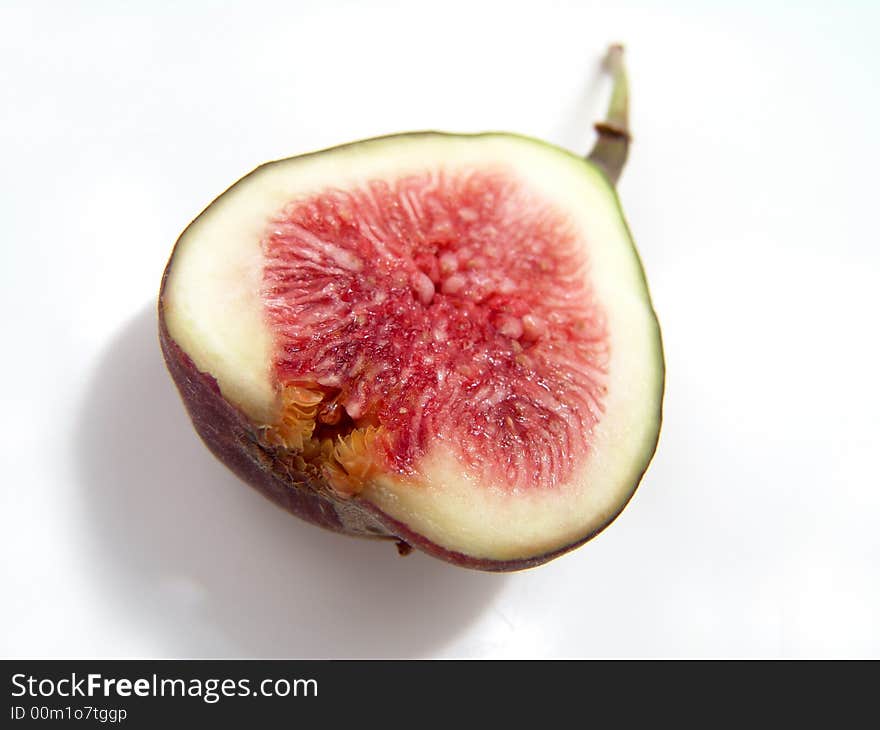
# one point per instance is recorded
(442, 340)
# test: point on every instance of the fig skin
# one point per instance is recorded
(231, 437)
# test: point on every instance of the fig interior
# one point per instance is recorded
(450, 305)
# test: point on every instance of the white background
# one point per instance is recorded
(752, 193)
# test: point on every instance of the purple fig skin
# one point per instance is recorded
(232, 438)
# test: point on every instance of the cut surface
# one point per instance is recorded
(456, 327)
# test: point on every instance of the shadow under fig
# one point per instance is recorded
(208, 567)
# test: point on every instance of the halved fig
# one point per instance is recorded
(444, 340)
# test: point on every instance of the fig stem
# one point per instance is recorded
(612, 146)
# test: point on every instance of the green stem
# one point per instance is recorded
(612, 147)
